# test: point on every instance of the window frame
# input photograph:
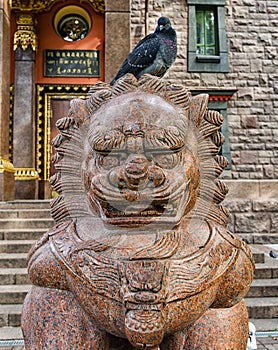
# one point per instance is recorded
(207, 63)
(225, 151)
(218, 101)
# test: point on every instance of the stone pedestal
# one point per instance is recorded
(6, 180)
(6, 167)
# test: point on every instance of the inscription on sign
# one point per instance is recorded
(71, 63)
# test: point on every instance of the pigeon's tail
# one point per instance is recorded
(123, 70)
(118, 76)
(112, 82)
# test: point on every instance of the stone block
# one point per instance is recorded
(242, 189)
(117, 42)
(6, 186)
(265, 205)
(249, 157)
(252, 223)
(256, 175)
(268, 171)
(4, 320)
(263, 273)
(274, 223)
(6, 279)
(238, 205)
(14, 320)
(117, 5)
(268, 189)
(249, 121)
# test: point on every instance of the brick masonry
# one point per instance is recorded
(254, 210)
(252, 113)
(252, 34)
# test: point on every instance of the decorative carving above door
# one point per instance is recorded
(45, 5)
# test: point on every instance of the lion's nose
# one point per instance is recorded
(137, 174)
(136, 165)
(136, 171)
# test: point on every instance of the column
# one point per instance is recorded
(6, 166)
(25, 45)
(117, 35)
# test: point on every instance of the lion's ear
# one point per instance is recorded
(197, 108)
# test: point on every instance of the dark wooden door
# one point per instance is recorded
(59, 109)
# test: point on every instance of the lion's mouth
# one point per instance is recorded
(122, 206)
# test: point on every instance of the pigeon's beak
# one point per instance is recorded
(161, 27)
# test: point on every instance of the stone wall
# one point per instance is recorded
(252, 33)
(254, 210)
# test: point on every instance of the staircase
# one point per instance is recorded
(23, 222)
(262, 298)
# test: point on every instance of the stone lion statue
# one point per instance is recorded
(139, 257)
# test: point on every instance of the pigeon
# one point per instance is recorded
(272, 254)
(153, 55)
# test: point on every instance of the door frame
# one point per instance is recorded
(46, 92)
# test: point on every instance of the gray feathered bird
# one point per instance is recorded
(154, 54)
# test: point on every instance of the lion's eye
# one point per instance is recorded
(107, 161)
(166, 160)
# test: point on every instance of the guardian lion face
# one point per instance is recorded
(140, 164)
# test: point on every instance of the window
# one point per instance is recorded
(72, 23)
(206, 32)
(73, 28)
(207, 44)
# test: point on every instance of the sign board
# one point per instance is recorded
(71, 63)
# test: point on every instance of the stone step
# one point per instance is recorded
(10, 315)
(25, 213)
(259, 258)
(14, 276)
(270, 238)
(264, 325)
(263, 307)
(18, 246)
(11, 295)
(263, 288)
(20, 223)
(259, 255)
(15, 333)
(11, 333)
(13, 260)
(267, 270)
(26, 204)
(258, 238)
(22, 234)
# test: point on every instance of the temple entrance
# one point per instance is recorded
(53, 104)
